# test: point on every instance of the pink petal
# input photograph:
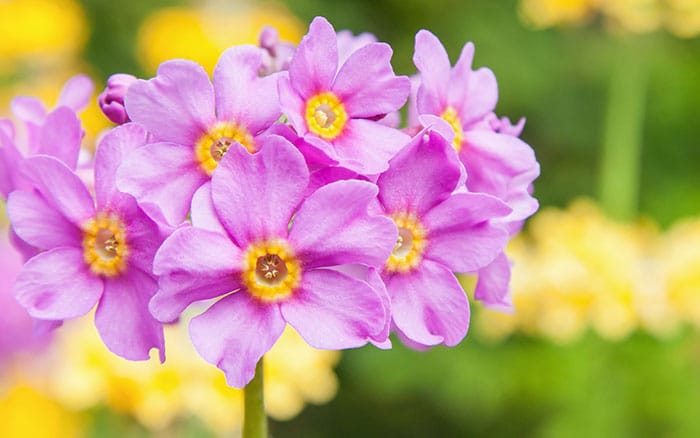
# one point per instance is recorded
(60, 136)
(327, 316)
(28, 109)
(76, 93)
(429, 305)
(57, 284)
(40, 225)
(193, 265)
(162, 176)
(433, 64)
(493, 285)
(114, 147)
(60, 187)
(461, 236)
(333, 227)
(366, 83)
(256, 195)
(235, 333)
(366, 146)
(422, 174)
(203, 213)
(293, 105)
(315, 61)
(177, 105)
(10, 159)
(122, 318)
(241, 95)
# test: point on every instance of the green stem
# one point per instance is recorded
(254, 419)
(622, 141)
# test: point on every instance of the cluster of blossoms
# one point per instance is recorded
(280, 192)
(577, 269)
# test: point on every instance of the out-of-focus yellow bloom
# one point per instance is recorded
(635, 16)
(202, 34)
(576, 269)
(548, 13)
(88, 374)
(40, 31)
(25, 412)
(680, 257)
(681, 17)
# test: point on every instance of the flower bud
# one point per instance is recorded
(111, 100)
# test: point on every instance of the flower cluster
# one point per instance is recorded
(680, 17)
(281, 192)
(578, 269)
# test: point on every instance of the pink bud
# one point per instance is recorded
(111, 100)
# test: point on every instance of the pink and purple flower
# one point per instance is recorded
(93, 253)
(334, 107)
(440, 232)
(194, 123)
(274, 256)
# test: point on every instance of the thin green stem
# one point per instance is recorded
(254, 419)
(622, 142)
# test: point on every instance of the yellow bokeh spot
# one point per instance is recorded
(214, 144)
(202, 34)
(105, 247)
(30, 28)
(25, 412)
(326, 115)
(450, 116)
(410, 245)
(271, 272)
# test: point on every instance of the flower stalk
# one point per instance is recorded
(622, 137)
(254, 418)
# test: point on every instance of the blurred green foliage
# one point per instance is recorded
(557, 79)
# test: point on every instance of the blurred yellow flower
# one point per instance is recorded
(576, 269)
(201, 34)
(25, 412)
(87, 375)
(549, 13)
(680, 17)
(40, 31)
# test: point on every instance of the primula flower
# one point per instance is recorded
(334, 108)
(94, 254)
(194, 125)
(269, 251)
(440, 232)
(497, 161)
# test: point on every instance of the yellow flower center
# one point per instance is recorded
(450, 116)
(212, 146)
(325, 115)
(105, 248)
(410, 245)
(271, 272)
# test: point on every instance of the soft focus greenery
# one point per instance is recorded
(524, 386)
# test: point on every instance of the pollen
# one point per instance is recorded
(450, 116)
(410, 244)
(326, 115)
(213, 145)
(271, 272)
(105, 248)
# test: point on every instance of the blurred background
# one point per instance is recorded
(605, 338)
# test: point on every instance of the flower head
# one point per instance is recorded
(334, 106)
(194, 124)
(272, 254)
(93, 252)
(440, 232)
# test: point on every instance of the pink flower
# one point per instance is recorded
(94, 253)
(335, 108)
(111, 100)
(275, 256)
(440, 232)
(194, 124)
